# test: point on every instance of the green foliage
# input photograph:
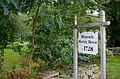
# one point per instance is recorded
(113, 14)
(53, 32)
(20, 47)
(21, 30)
(8, 9)
(5, 29)
(7, 5)
(16, 47)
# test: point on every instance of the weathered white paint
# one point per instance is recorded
(95, 24)
(103, 45)
(75, 67)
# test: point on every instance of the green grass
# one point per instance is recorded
(13, 58)
(113, 67)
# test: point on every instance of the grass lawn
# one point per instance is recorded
(113, 67)
(12, 58)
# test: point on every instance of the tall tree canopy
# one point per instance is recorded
(113, 14)
(51, 22)
(53, 30)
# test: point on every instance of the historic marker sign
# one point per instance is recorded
(88, 42)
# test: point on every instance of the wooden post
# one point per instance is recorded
(75, 49)
(103, 46)
(103, 43)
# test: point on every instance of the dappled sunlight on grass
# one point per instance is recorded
(11, 58)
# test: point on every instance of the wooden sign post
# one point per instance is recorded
(75, 49)
(103, 43)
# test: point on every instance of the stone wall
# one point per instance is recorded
(88, 72)
(114, 50)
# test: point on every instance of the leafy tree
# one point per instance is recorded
(5, 29)
(21, 29)
(51, 22)
(113, 14)
(8, 9)
(53, 30)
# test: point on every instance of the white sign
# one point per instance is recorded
(88, 42)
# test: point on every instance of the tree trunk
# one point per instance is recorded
(33, 36)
